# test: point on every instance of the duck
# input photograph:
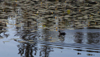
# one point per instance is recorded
(61, 33)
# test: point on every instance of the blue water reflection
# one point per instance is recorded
(24, 38)
(24, 43)
(83, 42)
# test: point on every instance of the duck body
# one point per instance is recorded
(61, 33)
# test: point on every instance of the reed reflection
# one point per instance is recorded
(89, 51)
(3, 30)
(27, 49)
(89, 38)
(45, 50)
(78, 37)
(30, 50)
(93, 38)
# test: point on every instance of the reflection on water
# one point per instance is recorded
(38, 42)
(78, 37)
(93, 38)
(27, 50)
(25, 34)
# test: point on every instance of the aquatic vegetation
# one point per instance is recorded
(68, 11)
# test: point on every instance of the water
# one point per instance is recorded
(31, 29)
(79, 42)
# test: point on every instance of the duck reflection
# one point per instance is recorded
(62, 38)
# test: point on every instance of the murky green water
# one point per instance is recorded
(30, 28)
